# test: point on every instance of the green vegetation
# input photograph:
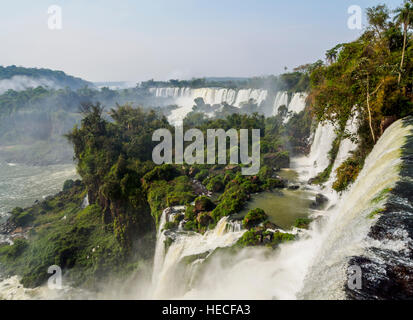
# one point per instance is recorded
(296, 81)
(374, 213)
(302, 223)
(347, 173)
(76, 239)
(381, 195)
(322, 177)
(253, 218)
(258, 237)
(59, 78)
(371, 77)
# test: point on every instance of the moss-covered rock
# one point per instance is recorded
(204, 219)
(253, 218)
(203, 204)
(302, 223)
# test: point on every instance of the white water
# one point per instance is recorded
(346, 147)
(312, 267)
(184, 98)
(212, 95)
(21, 185)
(281, 99)
(85, 202)
(297, 103)
(317, 161)
(166, 282)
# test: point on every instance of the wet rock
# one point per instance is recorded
(270, 225)
(294, 187)
(320, 201)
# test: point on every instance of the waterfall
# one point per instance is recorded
(184, 98)
(85, 202)
(297, 103)
(312, 267)
(280, 99)
(317, 161)
(167, 280)
(345, 232)
(346, 147)
(160, 247)
(212, 95)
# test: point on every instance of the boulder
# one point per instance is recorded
(254, 218)
(204, 219)
(203, 204)
(320, 201)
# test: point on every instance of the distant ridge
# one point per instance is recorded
(21, 78)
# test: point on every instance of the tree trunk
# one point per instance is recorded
(370, 121)
(368, 109)
(403, 53)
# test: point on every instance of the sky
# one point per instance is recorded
(124, 40)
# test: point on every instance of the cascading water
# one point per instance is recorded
(184, 98)
(309, 166)
(312, 267)
(281, 99)
(345, 232)
(297, 103)
(346, 147)
(169, 277)
(212, 95)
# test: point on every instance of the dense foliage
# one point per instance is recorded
(371, 78)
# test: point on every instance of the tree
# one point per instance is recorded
(377, 17)
(404, 17)
(331, 55)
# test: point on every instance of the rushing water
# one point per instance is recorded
(312, 267)
(315, 265)
(184, 98)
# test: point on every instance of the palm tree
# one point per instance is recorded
(404, 16)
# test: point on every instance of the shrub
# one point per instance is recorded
(216, 183)
(202, 175)
(68, 184)
(302, 223)
(165, 172)
(346, 174)
(253, 218)
(17, 248)
(20, 217)
(204, 203)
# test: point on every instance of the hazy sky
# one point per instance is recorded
(108, 40)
